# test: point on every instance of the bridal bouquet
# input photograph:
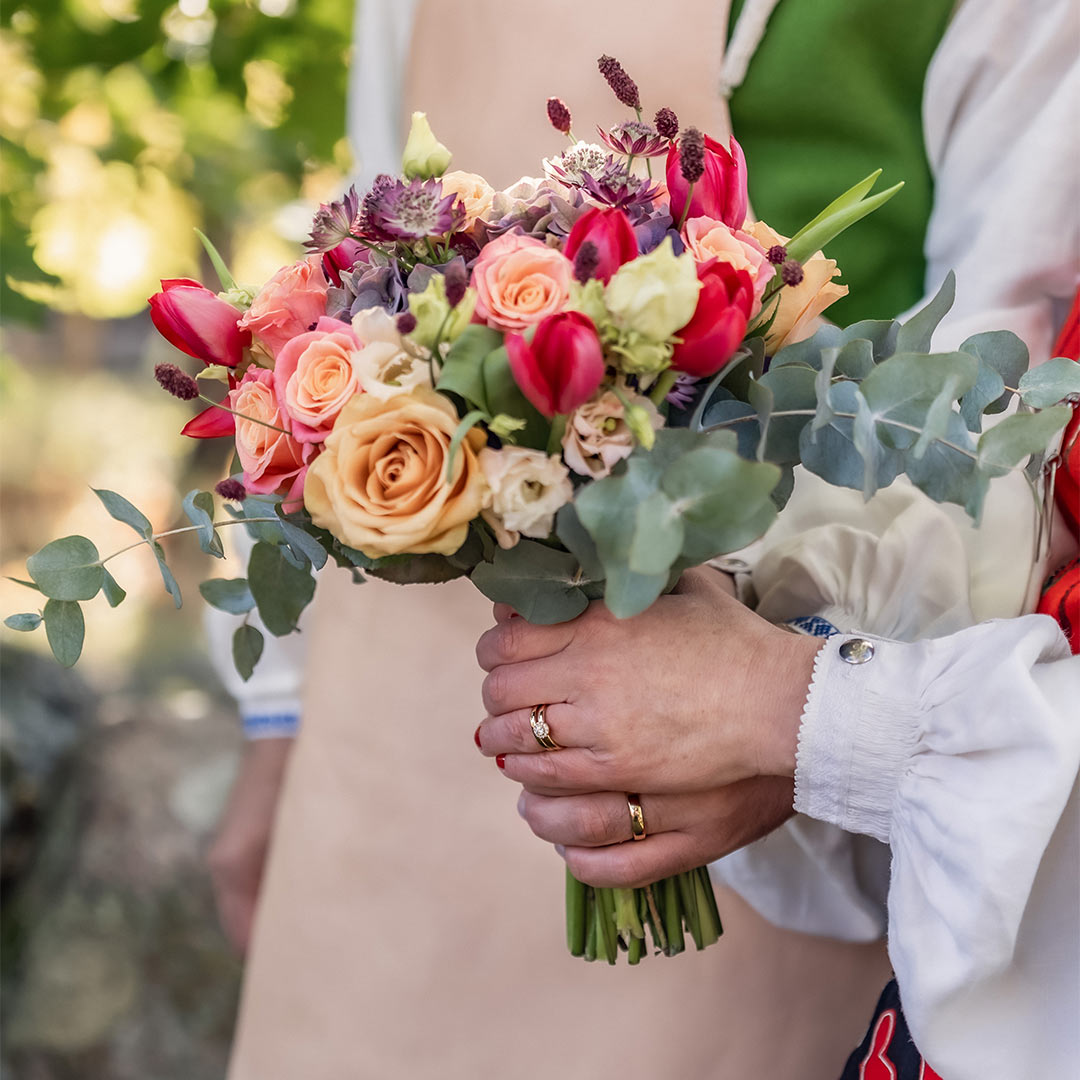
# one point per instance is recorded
(568, 391)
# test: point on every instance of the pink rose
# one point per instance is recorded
(519, 281)
(708, 239)
(315, 376)
(273, 460)
(290, 303)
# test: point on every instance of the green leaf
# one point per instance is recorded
(809, 350)
(228, 594)
(943, 473)
(199, 508)
(541, 583)
(914, 335)
(462, 370)
(67, 569)
(247, 648)
(303, 543)
(418, 569)
(28, 620)
(793, 388)
(261, 507)
(171, 586)
(27, 584)
(113, 593)
(1050, 383)
(881, 333)
(578, 542)
(281, 591)
(856, 359)
(658, 535)
(1003, 359)
(122, 510)
(1007, 443)
(504, 396)
(466, 424)
(823, 410)
(227, 280)
(838, 216)
(65, 629)
(726, 413)
(938, 416)
(733, 379)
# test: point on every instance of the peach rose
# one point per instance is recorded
(707, 238)
(315, 375)
(380, 484)
(519, 281)
(800, 305)
(272, 460)
(290, 303)
(474, 192)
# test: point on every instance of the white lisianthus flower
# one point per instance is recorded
(384, 366)
(597, 435)
(526, 488)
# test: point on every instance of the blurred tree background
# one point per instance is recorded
(124, 125)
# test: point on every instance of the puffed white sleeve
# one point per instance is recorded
(270, 701)
(962, 754)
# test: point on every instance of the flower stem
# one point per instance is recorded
(663, 386)
(558, 429)
(154, 537)
(686, 208)
(575, 914)
(243, 416)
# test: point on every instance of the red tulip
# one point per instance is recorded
(344, 257)
(211, 423)
(564, 365)
(724, 304)
(609, 229)
(721, 191)
(198, 322)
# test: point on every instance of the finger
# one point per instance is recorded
(512, 733)
(599, 819)
(521, 686)
(559, 772)
(630, 866)
(514, 640)
(504, 612)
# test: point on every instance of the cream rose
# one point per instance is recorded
(526, 488)
(380, 484)
(708, 239)
(800, 305)
(384, 366)
(474, 192)
(597, 435)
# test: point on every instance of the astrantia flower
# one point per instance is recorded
(582, 157)
(412, 211)
(333, 222)
(614, 186)
(634, 137)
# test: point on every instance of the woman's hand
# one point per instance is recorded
(695, 693)
(238, 855)
(683, 831)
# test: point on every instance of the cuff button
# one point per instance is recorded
(856, 651)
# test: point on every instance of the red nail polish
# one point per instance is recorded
(500, 760)
(476, 738)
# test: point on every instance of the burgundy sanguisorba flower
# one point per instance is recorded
(198, 322)
(394, 210)
(720, 193)
(563, 366)
(716, 330)
(609, 229)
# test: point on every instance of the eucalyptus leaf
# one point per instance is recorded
(658, 535)
(540, 583)
(576, 539)
(122, 510)
(738, 416)
(808, 351)
(823, 410)
(303, 543)
(418, 570)
(112, 590)
(199, 508)
(281, 591)
(856, 359)
(881, 333)
(65, 629)
(25, 621)
(67, 569)
(793, 389)
(26, 584)
(943, 472)
(247, 648)
(228, 594)
(1007, 443)
(1001, 353)
(462, 370)
(171, 586)
(1050, 383)
(915, 335)
(937, 417)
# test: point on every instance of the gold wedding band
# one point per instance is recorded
(540, 728)
(637, 817)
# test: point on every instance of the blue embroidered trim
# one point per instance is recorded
(813, 626)
(271, 725)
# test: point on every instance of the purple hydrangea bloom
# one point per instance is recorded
(368, 286)
(393, 210)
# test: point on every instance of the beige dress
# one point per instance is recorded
(410, 925)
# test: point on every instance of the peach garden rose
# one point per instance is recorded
(708, 239)
(519, 281)
(290, 303)
(380, 484)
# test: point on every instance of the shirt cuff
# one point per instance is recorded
(858, 732)
(279, 721)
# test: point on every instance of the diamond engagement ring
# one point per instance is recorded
(540, 729)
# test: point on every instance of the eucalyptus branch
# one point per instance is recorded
(154, 537)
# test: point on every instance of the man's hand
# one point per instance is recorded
(695, 693)
(238, 854)
(684, 831)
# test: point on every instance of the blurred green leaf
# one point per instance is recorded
(67, 569)
(540, 583)
(27, 620)
(65, 629)
(463, 370)
(171, 586)
(1050, 383)
(199, 508)
(228, 594)
(113, 593)
(281, 591)
(247, 648)
(1007, 443)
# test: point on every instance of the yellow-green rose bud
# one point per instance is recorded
(639, 355)
(589, 300)
(504, 426)
(434, 317)
(655, 294)
(424, 155)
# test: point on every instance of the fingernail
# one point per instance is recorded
(521, 804)
(500, 760)
(561, 850)
(476, 738)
